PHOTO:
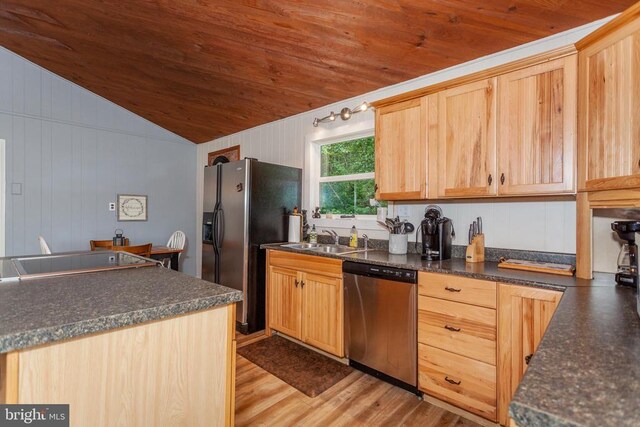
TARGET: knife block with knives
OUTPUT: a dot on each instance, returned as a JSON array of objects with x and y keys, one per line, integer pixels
[{"x": 475, "y": 249}]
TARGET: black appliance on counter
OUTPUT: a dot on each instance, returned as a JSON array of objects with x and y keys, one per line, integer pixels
[
  {"x": 627, "y": 273},
  {"x": 436, "y": 232},
  {"x": 246, "y": 204}
]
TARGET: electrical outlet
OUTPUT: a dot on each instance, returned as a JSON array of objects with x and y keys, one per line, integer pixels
[
  {"x": 112, "y": 206},
  {"x": 402, "y": 210}
]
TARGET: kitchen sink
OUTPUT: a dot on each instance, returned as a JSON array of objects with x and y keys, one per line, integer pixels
[
  {"x": 302, "y": 245},
  {"x": 336, "y": 249},
  {"x": 325, "y": 248}
]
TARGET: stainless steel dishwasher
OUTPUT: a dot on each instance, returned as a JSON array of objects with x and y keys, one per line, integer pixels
[{"x": 380, "y": 322}]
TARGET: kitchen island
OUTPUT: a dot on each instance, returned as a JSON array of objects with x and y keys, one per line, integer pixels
[{"x": 140, "y": 346}]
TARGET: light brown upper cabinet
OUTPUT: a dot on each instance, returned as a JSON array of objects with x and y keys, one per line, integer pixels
[
  {"x": 609, "y": 105},
  {"x": 401, "y": 151},
  {"x": 462, "y": 130},
  {"x": 536, "y": 129}
]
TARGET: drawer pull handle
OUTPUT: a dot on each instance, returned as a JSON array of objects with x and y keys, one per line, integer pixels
[
  {"x": 452, "y": 289},
  {"x": 452, "y": 328},
  {"x": 450, "y": 381},
  {"x": 527, "y": 359}
]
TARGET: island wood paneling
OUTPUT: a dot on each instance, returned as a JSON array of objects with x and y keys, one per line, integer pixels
[
  {"x": 73, "y": 152},
  {"x": 207, "y": 69},
  {"x": 172, "y": 372}
]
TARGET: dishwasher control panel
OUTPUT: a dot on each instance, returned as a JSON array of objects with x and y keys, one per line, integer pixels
[{"x": 381, "y": 272}]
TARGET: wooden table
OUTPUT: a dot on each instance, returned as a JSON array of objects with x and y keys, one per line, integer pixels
[{"x": 162, "y": 252}]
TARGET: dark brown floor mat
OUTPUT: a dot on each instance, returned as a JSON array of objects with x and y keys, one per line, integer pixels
[{"x": 304, "y": 369}]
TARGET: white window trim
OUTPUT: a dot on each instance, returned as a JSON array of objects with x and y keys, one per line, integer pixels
[{"x": 312, "y": 178}]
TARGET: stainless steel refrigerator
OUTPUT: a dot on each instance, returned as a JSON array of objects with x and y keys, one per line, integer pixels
[{"x": 246, "y": 203}]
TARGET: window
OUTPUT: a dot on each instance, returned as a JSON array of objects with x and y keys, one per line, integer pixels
[{"x": 346, "y": 179}]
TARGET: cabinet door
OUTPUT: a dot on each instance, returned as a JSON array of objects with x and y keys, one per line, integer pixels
[
  {"x": 609, "y": 109},
  {"x": 285, "y": 303},
  {"x": 401, "y": 151},
  {"x": 462, "y": 122},
  {"x": 323, "y": 313},
  {"x": 523, "y": 316},
  {"x": 536, "y": 128}
]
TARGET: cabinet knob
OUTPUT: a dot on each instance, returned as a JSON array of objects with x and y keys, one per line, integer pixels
[
  {"x": 490, "y": 179},
  {"x": 447, "y": 288},
  {"x": 452, "y": 328},
  {"x": 527, "y": 359},
  {"x": 302, "y": 283},
  {"x": 297, "y": 282},
  {"x": 502, "y": 179},
  {"x": 450, "y": 381},
  {"x": 375, "y": 187}
]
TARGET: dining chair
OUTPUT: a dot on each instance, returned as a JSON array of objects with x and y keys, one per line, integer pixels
[
  {"x": 44, "y": 248},
  {"x": 176, "y": 241},
  {"x": 143, "y": 250},
  {"x": 104, "y": 244}
]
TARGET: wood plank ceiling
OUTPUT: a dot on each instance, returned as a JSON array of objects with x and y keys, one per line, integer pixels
[{"x": 208, "y": 68}]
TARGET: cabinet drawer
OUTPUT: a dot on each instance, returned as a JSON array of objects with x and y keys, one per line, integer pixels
[
  {"x": 306, "y": 263},
  {"x": 456, "y": 288},
  {"x": 463, "y": 382},
  {"x": 464, "y": 329}
]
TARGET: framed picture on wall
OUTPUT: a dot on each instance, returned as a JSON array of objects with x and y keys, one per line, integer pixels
[
  {"x": 225, "y": 155},
  {"x": 132, "y": 207}
]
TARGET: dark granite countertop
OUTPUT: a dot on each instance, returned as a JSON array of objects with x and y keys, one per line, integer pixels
[
  {"x": 483, "y": 270},
  {"x": 586, "y": 370},
  {"x": 39, "y": 311}
]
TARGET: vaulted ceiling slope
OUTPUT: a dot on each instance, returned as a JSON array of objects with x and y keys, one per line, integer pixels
[{"x": 208, "y": 68}]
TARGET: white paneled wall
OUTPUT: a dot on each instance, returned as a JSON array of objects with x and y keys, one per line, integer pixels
[
  {"x": 548, "y": 226},
  {"x": 72, "y": 152}
]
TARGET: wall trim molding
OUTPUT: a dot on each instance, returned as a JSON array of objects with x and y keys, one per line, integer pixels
[{"x": 85, "y": 126}]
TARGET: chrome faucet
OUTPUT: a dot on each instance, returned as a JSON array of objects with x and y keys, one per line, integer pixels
[
  {"x": 336, "y": 238},
  {"x": 366, "y": 241}
]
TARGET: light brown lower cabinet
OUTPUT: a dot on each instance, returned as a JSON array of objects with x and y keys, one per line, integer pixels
[
  {"x": 457, "y": 341},
  {"x": 461, "y": 381},
  {"x": 523, "y": 316},
  {"x": 304, "y": 299},
  {"x": 474, "y": 355}
]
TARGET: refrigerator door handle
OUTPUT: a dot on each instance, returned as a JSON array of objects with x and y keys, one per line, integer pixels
[
  {"x": 220, "y": 226},
  {"x": 214, "y": 230}
]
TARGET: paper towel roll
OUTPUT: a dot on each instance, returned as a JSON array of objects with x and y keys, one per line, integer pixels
[{"x": 294, "y": 228}]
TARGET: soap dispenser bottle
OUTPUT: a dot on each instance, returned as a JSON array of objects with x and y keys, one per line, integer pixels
[
  {"x": 313, "y": 235},
  {"x": 353, "y": 238}
]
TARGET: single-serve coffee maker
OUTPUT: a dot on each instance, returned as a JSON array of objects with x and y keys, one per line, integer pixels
[
  {"x": 627, "y": 273},
  {"x": 437, "y": 231}
]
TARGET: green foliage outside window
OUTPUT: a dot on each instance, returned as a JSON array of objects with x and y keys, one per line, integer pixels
[{"x": 348, "y": 158}]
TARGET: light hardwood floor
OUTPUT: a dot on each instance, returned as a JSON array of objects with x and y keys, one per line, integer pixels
[{"x": 264, "y": 400}]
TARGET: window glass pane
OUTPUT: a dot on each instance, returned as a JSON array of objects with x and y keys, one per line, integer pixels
[
  {"x": 348, "y": 197},
  {"x": 348, "y": 157}
]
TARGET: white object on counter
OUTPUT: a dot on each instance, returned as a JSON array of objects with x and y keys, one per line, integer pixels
[
  {"x": 295, "y": 226},
  {"x": 398, "y": 243}
]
